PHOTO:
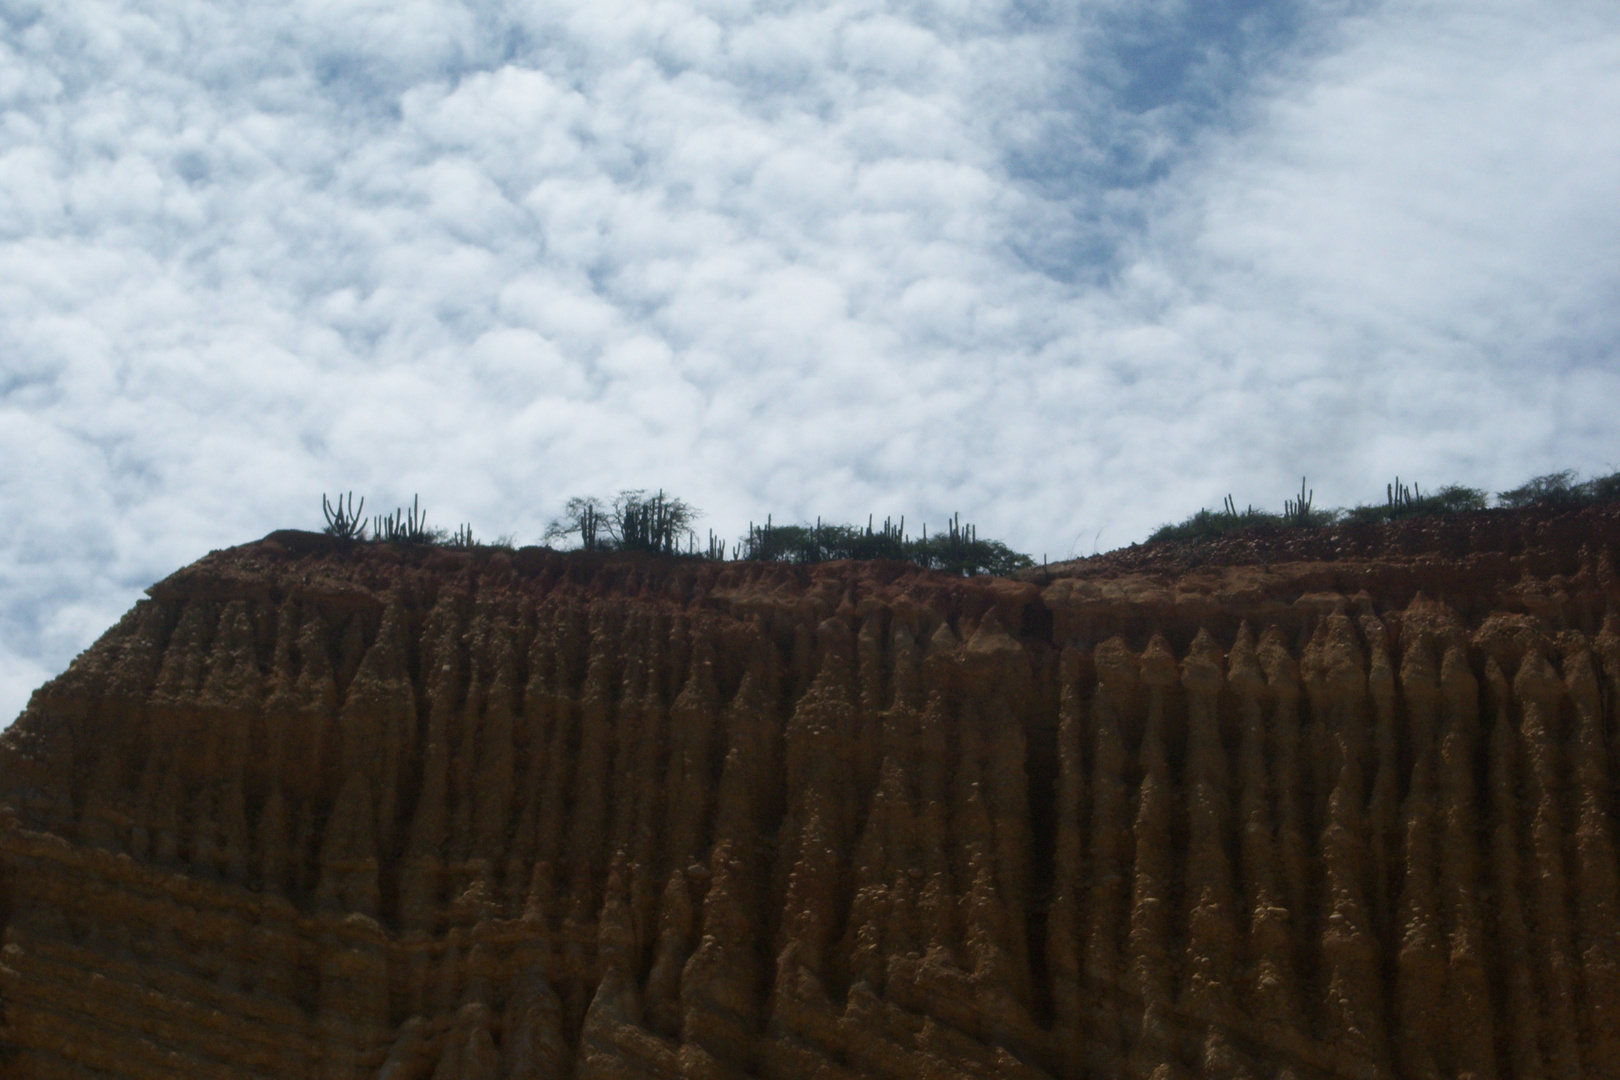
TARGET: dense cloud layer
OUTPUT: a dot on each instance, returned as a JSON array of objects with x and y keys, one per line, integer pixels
[{"x": 1071, "y": 274}]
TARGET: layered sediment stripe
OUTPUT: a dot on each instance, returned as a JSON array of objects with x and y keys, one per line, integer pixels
[{"x": 404, "y": 822}]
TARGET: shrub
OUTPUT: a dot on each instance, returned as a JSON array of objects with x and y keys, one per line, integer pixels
[
  {"x": 1401, "y": 500},
  {"x": 956, "y": 551},
  {"x": 657, "y": 524},
  {"x": 635, "y": 521},
  {"x": 823, "y": 542},
  {"x": 1407, "y": 500},
  {"x": 1546, "y": 490},
  {"x": 583, "y": 517},
  {"x": 1561, "y": 489},
  {"x": 1604, "y": 488},
  {"x": 1210, "y": 523},
  {"x": 959, "y": 550}
]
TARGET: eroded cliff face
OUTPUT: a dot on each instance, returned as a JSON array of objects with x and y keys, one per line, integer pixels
[{"x": 315, "y": 811}]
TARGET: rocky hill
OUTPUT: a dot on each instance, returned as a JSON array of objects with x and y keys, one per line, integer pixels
[{"x": 327, "y": 811}]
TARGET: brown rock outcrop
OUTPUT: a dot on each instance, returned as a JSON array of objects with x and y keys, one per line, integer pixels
[{"x": 328, "y": 812}]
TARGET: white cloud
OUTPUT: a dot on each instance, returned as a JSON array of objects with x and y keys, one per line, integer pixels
[{"x": 1063, "y": 273}]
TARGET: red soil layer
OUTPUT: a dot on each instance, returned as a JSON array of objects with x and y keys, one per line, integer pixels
[{"x": 1319, "y": 804}]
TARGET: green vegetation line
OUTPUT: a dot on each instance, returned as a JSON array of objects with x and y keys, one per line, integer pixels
[
  {"x": 661, "y": 524},
  {"x": 1401, "y": 500}
]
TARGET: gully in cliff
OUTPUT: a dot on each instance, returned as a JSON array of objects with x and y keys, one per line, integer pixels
[{"x": 324, "y": 809}]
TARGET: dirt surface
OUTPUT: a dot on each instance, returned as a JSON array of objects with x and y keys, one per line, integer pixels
[{"x": 1328, "y": 804}]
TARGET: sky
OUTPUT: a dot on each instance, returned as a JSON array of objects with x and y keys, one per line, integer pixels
[{"x": 1071, "y": 269}]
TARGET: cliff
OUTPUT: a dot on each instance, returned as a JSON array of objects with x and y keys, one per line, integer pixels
[{"x": 331, "y": 811}]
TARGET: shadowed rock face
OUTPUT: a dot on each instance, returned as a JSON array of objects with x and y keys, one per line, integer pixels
[{"x": 315, "y": 811}]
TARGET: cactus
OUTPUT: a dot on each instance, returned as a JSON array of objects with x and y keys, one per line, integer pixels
[
  {"x": 582, "y": 517},
  {"x": 406, "y": 526},
  {"x": 344, "y": 522},
  {"x": 1398, "y": 496},
  {"x": 659, "y": 524},
  {"x": 656, "y": 523},
  {"x": 1298, "y": 511}
]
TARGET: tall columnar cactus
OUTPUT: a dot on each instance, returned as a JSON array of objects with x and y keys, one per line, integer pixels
[
  {"x": 344, "y": 522},
  {"x": 1398, "y": 495},
  {"x": 1298, "y": 511},
  {"x": 406, "y": 526}
]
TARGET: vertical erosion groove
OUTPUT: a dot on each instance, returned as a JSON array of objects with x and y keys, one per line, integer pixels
[{"x": 798, "y": 824}]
